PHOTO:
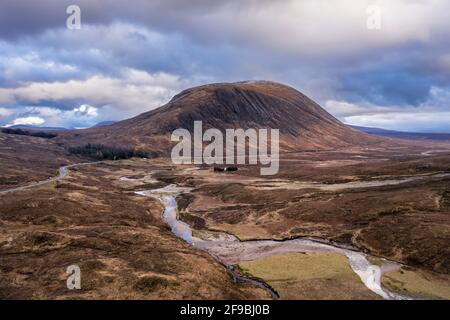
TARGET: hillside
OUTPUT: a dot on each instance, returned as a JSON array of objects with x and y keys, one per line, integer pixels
[{"x": 303, "y": 124}]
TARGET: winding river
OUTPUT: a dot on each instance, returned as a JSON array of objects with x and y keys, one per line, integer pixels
[{"x": 229, "y": 251}]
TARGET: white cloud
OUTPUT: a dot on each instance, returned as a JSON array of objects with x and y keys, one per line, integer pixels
[
  {"x": 5, "y": 112},
  {"x": 431, "y": 116},
  {"x": 317, "y": 27},
  {"x": 343, "y": 108},
  {"x": 87, "y": 110},
  {"x": 44, "y": 112},
  {"x": 22, "y": 67},
  {"x": 403, "y": 121},
  {"x": 82, "y": 116},
  {"x": 26, "y": 121},
  {"x": 132, "y": 93}
]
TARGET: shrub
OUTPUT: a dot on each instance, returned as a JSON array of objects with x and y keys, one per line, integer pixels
[{"x": 101, "y": 152}]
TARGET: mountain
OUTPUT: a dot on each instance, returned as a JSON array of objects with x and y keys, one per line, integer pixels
[
  {"x": 303, "y": 124},
  {"x": 403, "y": 135},
  {"x": 103, "y": 123},
  {"x": 31, "y": 127}
]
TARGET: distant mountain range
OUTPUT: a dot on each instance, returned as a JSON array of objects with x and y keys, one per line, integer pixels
[
  {"x": 403, "y": 135},
  {"x": 31, "y": 127}
]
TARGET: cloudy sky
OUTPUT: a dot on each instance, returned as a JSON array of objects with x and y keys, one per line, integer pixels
[{"x": 133, "y": 56}]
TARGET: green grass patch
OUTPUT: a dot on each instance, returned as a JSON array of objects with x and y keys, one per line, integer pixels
[
  {"x": 309, "y": 276},
  {"x": 418, "y": 283}
]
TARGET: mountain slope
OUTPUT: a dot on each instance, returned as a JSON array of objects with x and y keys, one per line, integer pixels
[{"x": 303, "y": 124}]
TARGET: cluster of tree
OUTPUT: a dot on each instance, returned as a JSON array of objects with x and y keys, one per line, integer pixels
[
  {"x": 39, "y": 134},
  {"x": 101, "y": 152}
]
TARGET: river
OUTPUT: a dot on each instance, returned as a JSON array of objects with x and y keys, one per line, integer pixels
[{"x": 229, "y": 251}]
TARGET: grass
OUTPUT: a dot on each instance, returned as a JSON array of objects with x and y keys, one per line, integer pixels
[
  {"x": 309, "y": 276},
  {"x": 149, "y": 284},
  {"x": 418, "y": 283}
]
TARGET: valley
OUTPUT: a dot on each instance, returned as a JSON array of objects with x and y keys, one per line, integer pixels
[
  {"x": 103, "y": 217},
  {"x": 347, "y": 216}
]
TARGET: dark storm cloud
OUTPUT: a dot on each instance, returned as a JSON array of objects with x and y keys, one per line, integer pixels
[
  {"x": 24, "y": 17},
  {"x": 131, "y": 56},
  {"x": 389, "y": 88},
  {"x": 403, "y": 76}
]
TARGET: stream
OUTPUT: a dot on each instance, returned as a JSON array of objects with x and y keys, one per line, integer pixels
[{"x": 229, "y": 251}]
